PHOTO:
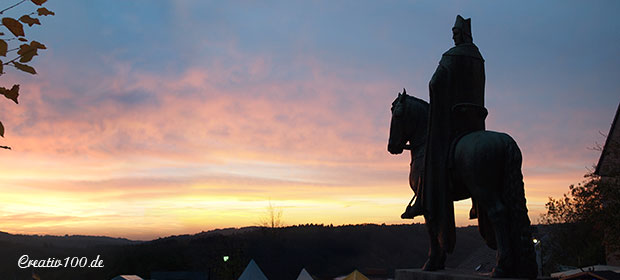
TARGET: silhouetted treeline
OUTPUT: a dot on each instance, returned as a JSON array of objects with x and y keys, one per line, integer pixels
[{"x": 325, "y": 251}]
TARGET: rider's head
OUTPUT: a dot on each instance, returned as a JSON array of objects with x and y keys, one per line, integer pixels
[{"x": 461, "y": 32}]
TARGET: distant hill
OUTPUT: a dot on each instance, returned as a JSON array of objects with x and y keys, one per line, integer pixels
[
  {"x": 325, "y": 251},
  {"x": 77, "y": 241}
]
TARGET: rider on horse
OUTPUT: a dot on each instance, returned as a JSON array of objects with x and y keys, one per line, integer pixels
[{"x": 456, "y": 108}]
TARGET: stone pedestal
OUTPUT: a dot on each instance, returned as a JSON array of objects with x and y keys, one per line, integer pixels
[{"x": 447, "y": 274}]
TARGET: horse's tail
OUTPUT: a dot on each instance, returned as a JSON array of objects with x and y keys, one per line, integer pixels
[{"x": 514, "y": 195}]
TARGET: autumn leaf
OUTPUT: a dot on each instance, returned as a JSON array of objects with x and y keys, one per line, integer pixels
[
  {"x": 30, "y": 21},
  {"x": 22, "y": 39},
  {"x": 27, "y": 52},
  {"x": 3, "y": 48},
  {"x": 24, "y": 67},
  {"x": 12, "y": 94},
  {"x": 39, "y": 2},
  {"x": 37, "y": 45},
  {"x": 14, "y": 26},
  {"x": 24, "y": 48},
  {"x": 1, "y": 67},
  {"x": 45, "y": 12},
  {"x": 1, "y": 129}
]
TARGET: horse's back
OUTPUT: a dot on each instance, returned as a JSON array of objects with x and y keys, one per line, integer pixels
[
  {"x": 480, "y": 157},
  {"x": 485, "y": 142}
]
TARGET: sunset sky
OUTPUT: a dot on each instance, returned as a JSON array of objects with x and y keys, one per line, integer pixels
[{"x": 153, "y": 118}]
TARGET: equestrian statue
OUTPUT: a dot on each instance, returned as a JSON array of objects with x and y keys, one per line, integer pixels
[{"x": 453, "y": 158}]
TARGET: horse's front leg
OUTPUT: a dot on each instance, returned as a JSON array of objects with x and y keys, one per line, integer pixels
[
  {"x": 436, "y": 254},
  {"x": 416, "y": 171}
]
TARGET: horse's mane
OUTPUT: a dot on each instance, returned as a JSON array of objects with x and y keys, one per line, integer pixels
[
  {"x": 418, "y": 100},
  {"x": 419, "y": 106},
  {"x": 419, "y": 110}
]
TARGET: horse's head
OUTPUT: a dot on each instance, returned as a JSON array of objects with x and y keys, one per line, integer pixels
[{"x": 400, "y": 132}]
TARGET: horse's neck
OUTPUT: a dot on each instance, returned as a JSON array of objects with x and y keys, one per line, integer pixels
[
  {"x": 419, "y": 121},
  {"x": 418, "y": 144}
]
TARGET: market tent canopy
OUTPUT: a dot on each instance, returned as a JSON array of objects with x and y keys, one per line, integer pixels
[
  {"x": 304, "y": 275},
  {"x": 356, "y": 275},
  {"x": 252, "y": 272}
]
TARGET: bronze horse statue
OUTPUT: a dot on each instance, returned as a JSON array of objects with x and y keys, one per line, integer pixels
[{"x": 484, "y": 165}]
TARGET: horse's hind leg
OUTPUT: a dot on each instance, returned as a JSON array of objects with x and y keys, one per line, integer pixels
[
  {"x": 436, "y": 254},
  {"x": 485, "y": 189},
  {"x": 473, "y": 212},
  {"x": 489, "y": 164},
  {"x": 498, "y": 215}
]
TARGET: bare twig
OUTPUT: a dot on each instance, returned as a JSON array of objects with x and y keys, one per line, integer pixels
[
  {"x": 1, "y": 12},
  {"x": 8, "y": 62}
]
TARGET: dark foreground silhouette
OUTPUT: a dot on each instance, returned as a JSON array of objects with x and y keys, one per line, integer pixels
[{"x": 325, "y": 252}]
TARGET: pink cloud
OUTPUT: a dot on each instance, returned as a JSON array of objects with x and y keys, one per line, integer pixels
[
  {"x": 191, "y": 110},
  {"x": 243, "y": 130}
]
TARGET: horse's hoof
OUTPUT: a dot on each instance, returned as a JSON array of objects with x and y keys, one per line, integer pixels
[
  {"x": 428, "y": 266},
  {"x": 431, "y": 265},
  {"x": 498, "y": 272},
  {"x": 432, "y": 268}
]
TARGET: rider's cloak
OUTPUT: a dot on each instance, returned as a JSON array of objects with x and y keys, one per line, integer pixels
[{"x": 459, "y": 78}]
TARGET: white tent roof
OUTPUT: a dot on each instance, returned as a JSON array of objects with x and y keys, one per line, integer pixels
[
  {"x": 304, "y": 275},
  {"x": 252, "y": 272},
  {"x": 127, "y": 277}
]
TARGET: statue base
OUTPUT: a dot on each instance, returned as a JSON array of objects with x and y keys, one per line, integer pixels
[{"x": 447, "y": 274}]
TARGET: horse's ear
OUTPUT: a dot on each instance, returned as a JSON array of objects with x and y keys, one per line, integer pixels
[
  {"x": 399, "y": 94},
  {"x": 404, "y": 91}
]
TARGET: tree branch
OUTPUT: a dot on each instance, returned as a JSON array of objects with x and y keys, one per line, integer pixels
[
  {"x": 1, "y": 12},
  {"x": 8, "y": 62}
]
